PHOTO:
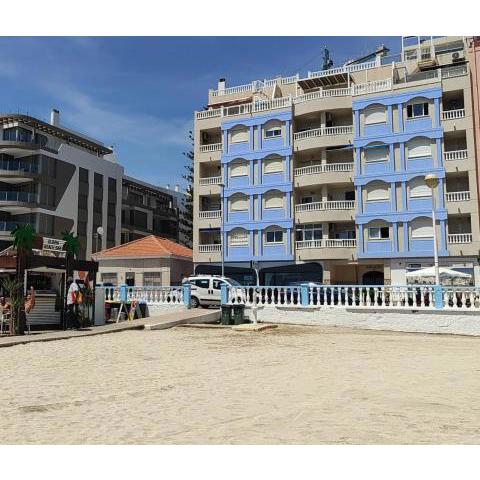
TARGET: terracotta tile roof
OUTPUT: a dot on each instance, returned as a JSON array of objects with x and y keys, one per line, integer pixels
[{"x": 151, "y": 246}]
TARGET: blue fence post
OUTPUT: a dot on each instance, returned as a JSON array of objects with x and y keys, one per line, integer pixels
[
  {"x": 304, "y": 295},
  {"x": 186, "y": 295},
  {"x": 223, "y": 293},
  {"x": 438, "y": 292},
  {"x": 123, "y": 293}
]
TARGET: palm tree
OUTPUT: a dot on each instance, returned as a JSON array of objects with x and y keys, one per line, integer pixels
[
  {"x": 15, "y": 293},
  {"x": 72, "y": 244},
  {"x": 23, "y": 237}
]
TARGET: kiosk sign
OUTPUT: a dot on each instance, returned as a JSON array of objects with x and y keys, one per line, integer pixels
[{"x": 53, "y": 245}]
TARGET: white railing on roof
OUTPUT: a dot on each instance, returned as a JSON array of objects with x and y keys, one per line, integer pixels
[
  {"x": 457, "y": 196},
  {"x": 345, "y": 69},
  {"x": 453, "y": 114},
  {"x": 211, "y": 181},
  {"x": 249, "y": 87},
  {"x": 456, "y": 155},
  {"x": 289, "y": 80},
  {"x": 328, "y": 205},
  {"x": 324, "y": 168},
  {"x": 211, "y": 248},
  {"x": 327, "y": 243},
  {"x": 323, "y": 131},
  {"x": 211, "y": 147},
  {"x": 455, "y": 238},
  {"x": 274, "y": 103},
  {"x": 372, "y": 87},
  {"x": 210, "y": 214},
  {"x": 210, "y": 113},
  {"x": 456, "y": 71}
]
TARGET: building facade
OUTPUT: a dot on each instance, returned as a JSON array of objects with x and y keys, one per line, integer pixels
[
  {"x": 322, "y": 176},
  {"x": 57, "y": 180},
  {"x": 148, "y": 210}
]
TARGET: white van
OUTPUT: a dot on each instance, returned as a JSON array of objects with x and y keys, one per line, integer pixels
[{"x": 205, "y": 289}]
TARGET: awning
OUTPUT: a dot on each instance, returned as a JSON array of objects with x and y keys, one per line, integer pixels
[{"x": 324, "y": 79}]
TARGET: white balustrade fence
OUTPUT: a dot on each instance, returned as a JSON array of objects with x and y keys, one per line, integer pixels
[
  {"x": 327, "y": 243},
  {"x": 212, "y": 147},
  {"x": 324, "y": 168},
  {"x": 210, "y": 214},
  {"x": 149, "y": 295},
  {"x": 328, "y": 205},
  {"x": 457, "y": 196},
  {"x": 453, "y": 114},
  {"x": 455, "y": 238},
  {"x": 456, "y": 155},
  {"x": 210, "y": 113},
  {"x": 384, "y": 297},
  {"x": 324, "y": 131},
  {"x": 211, "y": 181},
  {"x": 210, "y": 248}
]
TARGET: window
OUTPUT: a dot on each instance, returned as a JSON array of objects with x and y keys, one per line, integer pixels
[
  {"x": 50, "y": 194},
  {"x": 238, "y": 238},
  {"x": 306, "y": 200},
  {"x": 377, "y": 192},
  {"x": 379, "y": 233},
  {"x": 83, "y": 175},
  {"x": 41, "y": 140},
  {"x": 274, "y": 236},
  {"x": 419, "y": 147},
  {"x": 273, "y": 165},
  {"x": 202, "y": 283},
  {"x": 239, "y": 135},
  {"x": 416, "y": 110},
  {"x": 375, "y": 114},
  {"x": 419, "y": 189},
  {"x": 82, "y": 229},
  {"x": 273, "y": 132},
  {"x": 152, "y": 279},
  {"x": 217, "y": 284},
  {"x": 309, "y": 232},
  {"x": 422, "y": 228},
  {"x": 109, "y": 278},
  {"x": 98, "y": 180},
  {"x": 376, "y": 154},
  {"x": 238, "y": 169},
  {"x": 82, "y": 201},
  {"x": 239, "y": 203},
  {"x": 274, "y": 200},
  {"x": 350, "y": 195},
  {"x": 97, "y": 205}
]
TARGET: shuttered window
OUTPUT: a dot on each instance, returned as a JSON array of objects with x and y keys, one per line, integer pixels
[
  {"x": 422, "y": 228},
  {"x": 274, "y": 200},
  {"x": 238, "y": 238},
  {"x": 152, "y": 279},
  {"x": 239, "y": 203},
  {"x": 375, "y": 114},
  {"x": 377, "y": 192},
  {"x": 418, "y": 188},
  {"x": 238, "y": 135},
  {"x": 419, "y": 147},
  {"x": 376, "y": 154},
  {"x": 238, "y": 169},
  {"x": 273, "y": 165}
]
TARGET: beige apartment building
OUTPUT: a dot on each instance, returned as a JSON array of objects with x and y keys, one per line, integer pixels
[{"x": 321, "y": 176}]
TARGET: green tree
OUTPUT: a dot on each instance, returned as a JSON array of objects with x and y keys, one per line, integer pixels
[
  {"x": 72, "y": 244},
  {"x": 186, "y": 216},
  {"x": 23, "y": 237}
]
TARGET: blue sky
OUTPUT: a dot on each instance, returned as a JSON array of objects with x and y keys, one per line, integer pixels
[{"x": 139, "y": 93}]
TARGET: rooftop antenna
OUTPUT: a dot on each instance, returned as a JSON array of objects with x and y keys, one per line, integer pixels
[{"x": 327, "y": 61}]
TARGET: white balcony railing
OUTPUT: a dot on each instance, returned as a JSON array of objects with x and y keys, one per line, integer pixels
[
  {"x": 327, "y": 243},
  {"x": 328, "y": 205},
  {"x": 457, "y": 196},
  {"x": 457, "y": 71},
  {"x": 324, "y": 168},
  {"x": 456, "y": 155},
  {"x": 345, "y": 69},
  {"x": 210, "y": 113},
  {"x": 211, "y": 147},
  {"x": 323, "y": 131},
  {"x": 372, "y": 87},
  {"x": 455, "y": 238},
  {"x": 211, "y": 181},
  {"x": 210, "y": 214},
  {"x": 212, "y": 248},
  {"x": 249, "y": 87},
  {"x": 453, "y": 114}
]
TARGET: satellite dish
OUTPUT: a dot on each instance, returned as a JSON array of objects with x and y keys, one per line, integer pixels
[{"x": 100, "y": 230}]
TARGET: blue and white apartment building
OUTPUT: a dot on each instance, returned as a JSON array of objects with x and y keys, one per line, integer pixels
[{"x": 322, "y": 177}]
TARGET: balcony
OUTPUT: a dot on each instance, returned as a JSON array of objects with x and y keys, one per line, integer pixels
[
  {"x": 453, "y": 114},
  {"x": 324, "y": 168},
  {"x": 457, "y": 196},
  {"x": 211, "y": 248},
  {"x": 327, "y": 243},
  {"x": 324, "y": 131},
  {"x": 328, "y": 205},
  {"x": 209, "y": 214},
  {"x": 459, "y": 238},
  {"x": 7, "y": 227},
  {"x": 18, "y": 197},
  {"x": 455, "y": 155},
  {"x": 212, "y": 147},
  {"x": 210, "y": 181}
]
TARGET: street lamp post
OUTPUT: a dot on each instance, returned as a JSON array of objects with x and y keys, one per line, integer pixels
[
  {"x": 222, "y": 186},
  {"x": 432, "y": 182}
]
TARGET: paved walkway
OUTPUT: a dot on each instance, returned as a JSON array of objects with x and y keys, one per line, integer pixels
[{"x": 158, "y": 322}]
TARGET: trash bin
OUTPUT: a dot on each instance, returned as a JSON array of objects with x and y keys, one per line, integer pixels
[
  {"x": 226, "y": 316},
  {"x": 238, "y": 314}
]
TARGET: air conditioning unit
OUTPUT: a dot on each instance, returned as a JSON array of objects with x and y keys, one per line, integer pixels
[{"x": 458, "y": 57}]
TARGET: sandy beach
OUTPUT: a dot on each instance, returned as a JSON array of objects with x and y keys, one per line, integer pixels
[{"x": 291, "y": 385}]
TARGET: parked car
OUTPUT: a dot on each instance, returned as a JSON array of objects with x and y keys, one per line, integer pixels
[{"x": 205, "y": 289}]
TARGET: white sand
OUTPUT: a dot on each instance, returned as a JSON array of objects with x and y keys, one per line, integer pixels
[{"x": 287, "y": 385}]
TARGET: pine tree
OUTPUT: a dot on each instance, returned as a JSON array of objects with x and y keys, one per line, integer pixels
[{"x": 186, "y": 216}]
